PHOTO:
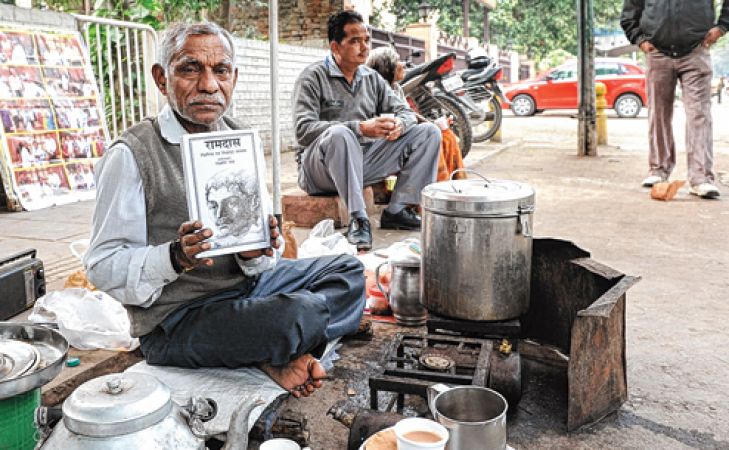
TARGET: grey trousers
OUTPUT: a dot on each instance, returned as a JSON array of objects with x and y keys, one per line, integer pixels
[
  {"x": 290, "y": 310},
  {"x": 694, "y": 71},
  {"x": 336, "y": 163}
]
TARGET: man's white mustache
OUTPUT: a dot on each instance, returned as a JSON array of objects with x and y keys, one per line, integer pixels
[{"x": 215, "y": 98}]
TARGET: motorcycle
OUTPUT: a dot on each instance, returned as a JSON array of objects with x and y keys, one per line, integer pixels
[
  {"x": 478, "y": 89},
  {"x": 426, "y": 95}
]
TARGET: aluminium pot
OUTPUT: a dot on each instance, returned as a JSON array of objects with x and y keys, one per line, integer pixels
[
  {"x": 477, "y": 248},
  {"x": 121, "y": 412}
]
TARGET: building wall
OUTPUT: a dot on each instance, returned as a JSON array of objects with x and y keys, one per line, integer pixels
[
  {"x": 35, "y": 18},
  {"x": 252, "y": 96},
  {"x": 301, "y": 22}
]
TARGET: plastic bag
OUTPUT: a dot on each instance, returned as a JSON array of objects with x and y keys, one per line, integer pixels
[
  {"x": 88, "y": 320},
  {"x": 323, "y": 240}
]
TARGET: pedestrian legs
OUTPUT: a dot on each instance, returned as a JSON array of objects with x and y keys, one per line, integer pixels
[
  {"x": 695, "y": 72},
  {"x": 661, "y": 85}
]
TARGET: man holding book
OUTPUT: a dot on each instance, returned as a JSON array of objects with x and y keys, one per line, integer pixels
[
  {"x": 353, "y": 130},
  {"x": 231, "y": 310}
]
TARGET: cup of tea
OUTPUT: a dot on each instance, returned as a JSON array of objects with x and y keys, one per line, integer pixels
[
  {"x": 420, "y": 434},
  {"x": 279, "y": 444}
]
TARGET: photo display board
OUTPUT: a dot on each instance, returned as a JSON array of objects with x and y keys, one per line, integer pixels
[{"x": 52, "y": 128}]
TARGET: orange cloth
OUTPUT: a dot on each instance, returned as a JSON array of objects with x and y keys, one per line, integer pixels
[{"x": 450, "y": 157}]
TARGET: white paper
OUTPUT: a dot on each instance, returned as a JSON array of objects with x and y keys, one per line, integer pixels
[{"x": 225, "y": 180}]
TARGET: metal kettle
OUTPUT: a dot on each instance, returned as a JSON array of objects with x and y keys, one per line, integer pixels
[
  {"x": 122, "y": 411},
  {"x": 404, "y": 292}
]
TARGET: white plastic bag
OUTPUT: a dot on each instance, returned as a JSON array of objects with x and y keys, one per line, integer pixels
[
  {"x": 323, "y": 240},
  {"x": 88, "y": 320}
]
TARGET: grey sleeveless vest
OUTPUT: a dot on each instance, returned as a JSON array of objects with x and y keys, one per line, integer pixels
[{"x": 160, "y": 167}]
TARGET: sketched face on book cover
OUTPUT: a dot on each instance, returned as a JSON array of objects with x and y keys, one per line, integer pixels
[{"x": 233, "y": 203}]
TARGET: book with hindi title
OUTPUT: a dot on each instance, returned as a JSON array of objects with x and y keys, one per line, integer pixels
[{"x": 225, "y": 181}]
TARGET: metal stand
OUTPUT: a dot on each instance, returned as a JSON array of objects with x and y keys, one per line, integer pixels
[{"x": 586, "y": 132}]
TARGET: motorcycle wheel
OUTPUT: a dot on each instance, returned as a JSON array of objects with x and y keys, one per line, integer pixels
[
  {"x": 485, "y": 126},
  {"x": 443, "y": 104}
]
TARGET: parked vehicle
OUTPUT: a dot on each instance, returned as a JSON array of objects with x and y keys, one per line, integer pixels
[
  {"x": 557, "y": 88},
  {"x": 424, "y": 90},
  {"x": 478, "y": 89}
]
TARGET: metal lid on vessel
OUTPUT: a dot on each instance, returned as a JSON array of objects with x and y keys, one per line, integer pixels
[
  {"x": 116, "y": 404},
  {"x": 17, "y": 358},
  {"x": 477, "y": 197}
]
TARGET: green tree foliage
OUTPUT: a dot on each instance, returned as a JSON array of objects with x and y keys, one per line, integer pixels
[
  {"x": 537, "y": 25},
  {"x": 155, "y": 13}
]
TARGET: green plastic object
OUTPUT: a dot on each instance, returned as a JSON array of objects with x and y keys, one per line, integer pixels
[
  {"x": 17, "y": 430},
  {"x": 73, "y": 361}
]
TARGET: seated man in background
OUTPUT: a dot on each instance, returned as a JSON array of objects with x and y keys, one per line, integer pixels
[
  {"x": 345, "y": 141},
  {"x": 386, "y": 62},
  {"x": 231, "y": 310}
]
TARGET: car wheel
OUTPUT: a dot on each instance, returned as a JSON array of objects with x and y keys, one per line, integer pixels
[
  {"x": 523, "y": 105},
  {"x": 628, "y": 105}
]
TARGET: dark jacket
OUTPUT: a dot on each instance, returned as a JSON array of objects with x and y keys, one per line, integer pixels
[{"x": 674, "y": 27}]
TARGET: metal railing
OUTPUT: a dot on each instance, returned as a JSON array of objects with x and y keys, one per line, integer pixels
[
  {"x": 122, "y": 54},
  {"x": 404, "y": 44}
]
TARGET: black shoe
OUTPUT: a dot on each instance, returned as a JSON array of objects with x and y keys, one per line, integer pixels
[
  {"x": 360, "y": 234},
  {"x": 404, "y": 220}
]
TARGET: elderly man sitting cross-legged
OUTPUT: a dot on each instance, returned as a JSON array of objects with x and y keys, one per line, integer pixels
[{"x": 233, "y": 310}]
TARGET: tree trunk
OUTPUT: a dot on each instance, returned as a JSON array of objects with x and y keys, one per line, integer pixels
[
  {"x": 225, "y": 14},
  {"x": 486, "y": 25},
  {"x": 466, "y": 10}
]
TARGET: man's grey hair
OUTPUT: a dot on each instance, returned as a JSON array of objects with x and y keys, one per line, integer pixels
[
  {"x": 384, "y": 61},
  {"x": 175, "y": 36}
]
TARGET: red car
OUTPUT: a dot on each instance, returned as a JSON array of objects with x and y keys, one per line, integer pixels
[{"x": 557, "y": 88}]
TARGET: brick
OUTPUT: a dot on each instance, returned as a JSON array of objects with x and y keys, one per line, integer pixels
[{"x": 308, "y": 210}]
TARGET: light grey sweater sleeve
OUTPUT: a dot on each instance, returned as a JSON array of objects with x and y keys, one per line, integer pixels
[{"x": 307, "y": 104}]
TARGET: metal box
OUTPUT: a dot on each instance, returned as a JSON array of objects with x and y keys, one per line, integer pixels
[{"x": 22, "y": 282}]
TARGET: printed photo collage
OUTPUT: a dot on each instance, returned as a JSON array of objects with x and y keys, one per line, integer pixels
[{"x": 51, "y": 124}]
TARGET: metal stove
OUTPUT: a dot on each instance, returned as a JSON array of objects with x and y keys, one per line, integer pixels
[{"x": 454, "y": 352}]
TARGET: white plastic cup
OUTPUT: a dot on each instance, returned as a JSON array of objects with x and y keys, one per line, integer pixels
[
  {"x": 442, "y": 122},
  {"x": 279, "y": 444},
  {"x": 417, "y": 424},
  {"x": 387, "y": 115}
]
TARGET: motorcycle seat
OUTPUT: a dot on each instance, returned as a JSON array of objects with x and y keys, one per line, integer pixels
[
  {"x": 469, "y": 74},
  {"x": 415, "y": 71},
  {"x": 425, "y": 67}
]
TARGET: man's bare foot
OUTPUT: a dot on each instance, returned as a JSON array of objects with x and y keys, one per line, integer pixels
[{"x": 300, "y": 377}]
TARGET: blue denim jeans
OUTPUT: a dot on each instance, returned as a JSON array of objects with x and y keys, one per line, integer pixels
[{"x": 288, "y": 311}]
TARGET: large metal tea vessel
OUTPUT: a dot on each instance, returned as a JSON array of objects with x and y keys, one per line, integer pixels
[
  {"x": 477, "y": 248},
  {"x": 122, "y": 411}
]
